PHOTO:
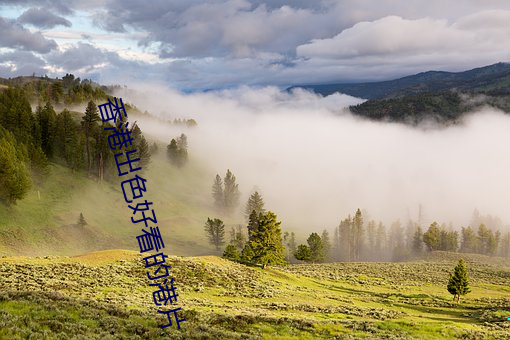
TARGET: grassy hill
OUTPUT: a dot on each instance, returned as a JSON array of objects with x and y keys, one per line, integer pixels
[
  {"x": 105, "y": 295},
  {"x": 45, "y": 222}
]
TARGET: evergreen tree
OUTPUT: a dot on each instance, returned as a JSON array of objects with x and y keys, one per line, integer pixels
[
  {"x": 237, "y": 237},
  {"x": 46, "y": 117},
  {"x": 215, "y": 230},
  {"x": 432, "y": 237},
  {"x": 345, "y": 231},
  {"x": 141, "y": 146},
  {"x": 487, "y": 240},
  {"x": 66, "y": 138},
  {"x": 177, "y": 151},
  {"x": 81, "y": 220},
  {"x": 371, "y": 238},
  {"x": 247, "y": 254},
  {"x": 326, "y": 243},
  {"x": 217, "y": 193},
  {"x": 452, "y": 241},
  {"x": 418, "y": 241},
  {"x": 14, "y": 175},
  {"x": 266, "y": 241},
  {"x": 231, "y": 253},
  {"x": 289, "y": 239},
  {"x": 336, "y": 245},
  {"x": 253, "y": 225},
  {"x": 16, "y": 115},
  {"x": 357, "y": 233},
  {"x": 505, "y": 245},
  {"x": 469, "y": 241},
  {"x": 231, "y": 192},
  {"x": 255, "y": 203},
  {"x": 89, "y": 123},
  {"x": 316, "y": 247},
  {"x": 381, "y": 239},
  {"x": 458, "y": 284},
  {"x": 154, "y": 149},
  {"x": 303, "y": 253}
]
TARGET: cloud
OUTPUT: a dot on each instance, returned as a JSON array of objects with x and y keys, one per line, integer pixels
[
  {"x": 80, "y": 56},
  {"x": 21, "y": 62},
  {"x": 15, "y": 36},
  {"x": 42, "y": 18},
  {"x": 477, "y": 39},
  {"x": 394, "y": 35},
  {"x": 218, "y": 44},
  {"x": 314, "y": 163},
  {"x": 60, "y": 6}
]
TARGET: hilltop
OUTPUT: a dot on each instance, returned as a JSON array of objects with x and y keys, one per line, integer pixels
[
  {"x": 443, "y": 97},
  {"x": 488, "y": 79}
]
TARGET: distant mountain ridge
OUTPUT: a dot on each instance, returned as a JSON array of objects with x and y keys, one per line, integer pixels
[{"x": 492, "y": 79}]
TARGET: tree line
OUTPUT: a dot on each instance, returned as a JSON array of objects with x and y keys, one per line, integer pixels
[
  {"x": 357, "y": 240},
  {"x": 30, "y": 140}
]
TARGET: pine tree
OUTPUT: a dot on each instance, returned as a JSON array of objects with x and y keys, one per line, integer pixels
[
  {"x": 418, "y": 241},
  {"x": 505, "y": 245},
  {"x": 81, "y": 220},
  {"x": 247, "y": 254},
  {"x": 432, "y": 237},
  {"x": 357, "y": 234},
  {"x": 266, "y": 241},
  {"x": 458, "y": 284},
  {"x": 336, "y": 245},
  {"x": 231, "y": 253},
  {"x": 316, "y": 247},
  {"x": 177, "y": 151},
  {"x": 215, "y": 230},
  {"x": 289, "y": 240},
  {"x": 345, "y": 231},
  {"x": 88, "y": 123},
  {"x": 66, "y": 138},
  {"x": 253, "y": 225},
  {"x": 141, "y": 146},
  {"x": 381, "y": 246},
  {"x": 231, "y": 192},
  {"x": 14, "y": 175},
  {"x": 154, "y": 149},
  {"x": 326, "y": 243},
  {"x": 237, "y": 237},
  {"x": 217, "y": 193},
  {"x": 371, "y": 238},
  {"x": 46, "y": 117},
  {"x": 255, "y": 203},
  {"x": 470, "y": 243},
  {"x": 303, "y": 253}
]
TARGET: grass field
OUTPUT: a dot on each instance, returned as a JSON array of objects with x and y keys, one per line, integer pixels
[
  {"x": 105, "y": 295},
  {"x": 45, "y": 221}
]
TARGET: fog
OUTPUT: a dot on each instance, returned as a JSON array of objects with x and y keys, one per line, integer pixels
[{"x": 314, "y": 163}]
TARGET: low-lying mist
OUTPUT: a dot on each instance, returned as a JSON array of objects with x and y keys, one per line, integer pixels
[{"x": 315, "y": 163}]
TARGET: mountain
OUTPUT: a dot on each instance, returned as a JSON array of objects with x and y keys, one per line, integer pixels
[{"x": 488, "y": 79}]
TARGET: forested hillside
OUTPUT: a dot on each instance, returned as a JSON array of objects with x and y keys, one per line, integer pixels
[{"x": 443, "y": 97}]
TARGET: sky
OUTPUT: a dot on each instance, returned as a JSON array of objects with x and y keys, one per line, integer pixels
[{"x": 194, "y": 45}]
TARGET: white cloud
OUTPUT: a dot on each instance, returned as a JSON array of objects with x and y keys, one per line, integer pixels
[
  {"x": 314, "y": 163},
  {"x": 484, "y": 37}
]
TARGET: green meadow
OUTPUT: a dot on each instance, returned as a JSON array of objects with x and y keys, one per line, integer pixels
[{"x": 105, "y": 295}]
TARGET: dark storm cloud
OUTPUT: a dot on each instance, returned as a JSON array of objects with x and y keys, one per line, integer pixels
[
  {"x": 16, "y": 36},
  {"x": 42, "y": 18}
]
